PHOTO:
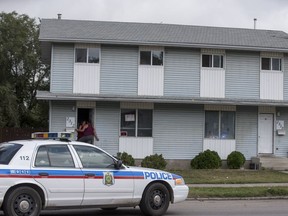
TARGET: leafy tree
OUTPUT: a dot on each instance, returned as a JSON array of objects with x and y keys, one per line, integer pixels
[{"x": 21, "y": 72}]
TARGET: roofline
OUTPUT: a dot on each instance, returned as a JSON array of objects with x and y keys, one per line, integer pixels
[
  {"x": 44, "y": 95},
  {"x": 165, "y": 44}
]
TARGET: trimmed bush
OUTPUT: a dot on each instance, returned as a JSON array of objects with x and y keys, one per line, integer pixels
[
  {"x": 235, "y": 160},
  {"x": 206, "y": 160},
  {"x": 126, "y": 158},
  {"x": 154, "y": 161}
]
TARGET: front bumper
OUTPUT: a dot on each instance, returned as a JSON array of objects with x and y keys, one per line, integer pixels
[{"x": 180, "y": 193}]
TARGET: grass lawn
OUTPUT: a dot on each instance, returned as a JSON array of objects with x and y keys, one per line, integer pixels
[{"x": 229, "y": 176}]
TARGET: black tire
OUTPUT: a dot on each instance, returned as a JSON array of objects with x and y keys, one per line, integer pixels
[
  {"x": 22, "y": 201},
  {"x": 155, "y": 200}
]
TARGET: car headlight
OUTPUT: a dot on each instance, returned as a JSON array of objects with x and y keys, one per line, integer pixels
[{"x": 179, "y": 181}]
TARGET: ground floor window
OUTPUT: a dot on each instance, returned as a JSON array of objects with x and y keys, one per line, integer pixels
[
  {"x": 136, "y": 122},
  {"x": 220, "y": 124}
]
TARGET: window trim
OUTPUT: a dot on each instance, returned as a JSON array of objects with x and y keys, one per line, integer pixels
[
  {"x": 151, "y": 58},
  {"x": 87, "y": 55},
  {"x": 222, "y": 61},
  {"x": 271, "y": 64},
  {"x": 136, "y": 123}
]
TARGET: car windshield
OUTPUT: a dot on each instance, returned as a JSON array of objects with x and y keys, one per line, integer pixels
[{"x": 7, "y": 152}]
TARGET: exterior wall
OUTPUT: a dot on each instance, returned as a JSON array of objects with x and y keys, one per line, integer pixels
[
  {"x": 178, "y": 130},
  {"x": 281, "y": 142},
  {"x": 59, "y": 110},
  {"x": 285, "y": 78},
  {"x": 212, "y": 83},
  {"x": 182, "y": 72},
  {"x": 118, "y": 73},
  {"x": 107, "y": 126},
  {"x": 242, "y": 75},
  {"x": 247, "y": 131},
  {"x": 62, "y": 68}
]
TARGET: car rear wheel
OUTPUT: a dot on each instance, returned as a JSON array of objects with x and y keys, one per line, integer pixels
[
  {"x": 22, "y": 201},
  {"x": 155, "y": 200}
]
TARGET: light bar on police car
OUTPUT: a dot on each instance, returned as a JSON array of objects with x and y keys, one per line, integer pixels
[{"x": 51, "y": 135}]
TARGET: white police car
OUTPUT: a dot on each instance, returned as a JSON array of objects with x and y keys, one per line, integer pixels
[{"x": 49, "y": 174}]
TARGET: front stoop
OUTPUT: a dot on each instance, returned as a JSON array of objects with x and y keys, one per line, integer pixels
[{"x": 270, "y": 162}]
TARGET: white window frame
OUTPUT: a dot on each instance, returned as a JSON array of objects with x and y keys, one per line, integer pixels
[
  {"x": 151, "y": 58},
  {"x": 222, "y": 57},
  {"x": 271, "y": 63},
  {"x": 87, "y": 55}
]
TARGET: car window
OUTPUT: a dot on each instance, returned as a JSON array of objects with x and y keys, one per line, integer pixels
[
  {"x": 93, "y": 158},
  {"x": 7, "y": 152},
  {"x": 54, "y": 156}
]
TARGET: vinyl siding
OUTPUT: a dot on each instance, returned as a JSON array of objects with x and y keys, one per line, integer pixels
[
  {"x": 178, "y": 130},
  {"x": 285, "y": 79},
  {"x": 281, "y": 142},
  {"x": 119, "y": 67},
  {"x": 62, "y": 68},
  {"x": 247, "y": 131},
  {"x": 182, "y": 72},
  {"x": 58, "y": 113},
  {"x": 242, "y": 75},
  {"x": 107, "y": 126}
]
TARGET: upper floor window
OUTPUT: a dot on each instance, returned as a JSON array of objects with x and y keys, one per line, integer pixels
[
  {"x": 151, "y": 57},
  {"x": 271, "y": 64},
  {"x": 136, "y": 122},
  {"x": 87, "y": 55},
  {"x": 212, "y": 61}
]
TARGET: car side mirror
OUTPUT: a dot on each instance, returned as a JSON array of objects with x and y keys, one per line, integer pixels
[{"x": 118, "y": 164}]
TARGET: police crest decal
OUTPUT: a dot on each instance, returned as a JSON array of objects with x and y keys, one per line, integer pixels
[{"x": 108, "y": 178}]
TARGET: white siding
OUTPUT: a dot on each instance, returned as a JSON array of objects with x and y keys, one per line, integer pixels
[
  {"x": 271, "y": 85},
  {"x": 212, "y": 83},
  {"x": 138, "y": 147},
  {"x": 221, "y": 146},
  {"x": 86, "y": 78},
  {"x": 150, "y": 80}
]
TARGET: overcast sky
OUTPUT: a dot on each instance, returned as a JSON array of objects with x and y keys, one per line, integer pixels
[{"x": 270, "y": 14}]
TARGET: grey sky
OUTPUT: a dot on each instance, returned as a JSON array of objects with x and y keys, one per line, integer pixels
[{"x": 270, "y": 14}]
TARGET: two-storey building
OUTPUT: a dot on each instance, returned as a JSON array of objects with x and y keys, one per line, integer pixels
[{"x": 174, "y": 90}]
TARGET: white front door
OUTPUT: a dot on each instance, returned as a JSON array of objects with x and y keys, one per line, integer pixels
[{"x": 265, "y": 132}]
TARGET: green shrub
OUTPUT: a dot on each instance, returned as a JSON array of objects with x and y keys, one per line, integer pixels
[
  {"x": 154, "y": 161},
  {"x": 206, "y": 160},
  {"x": 126, "y": 158},
  {"x": 235, "y": 160}
]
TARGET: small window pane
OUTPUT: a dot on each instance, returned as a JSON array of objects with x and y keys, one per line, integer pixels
[
  {"x": 218, "y": 61},
  {"x": 81, "y": 55},
  {"x": 211, "y": 124},
  {"x": 206, "y": 60},
  {"x": 93, "y": 55},
  {"x": 265, "y": 64},
  {"x": 128, "y": 122},
  {"x": 145, "y": 57},
  {"x": 144, "y": 123},
  {"x": 157, "y": 57},
  {"x": 227, "y": 125},
  {"x": 276, "y": 64},
  {"x": 60, "y": 156}
]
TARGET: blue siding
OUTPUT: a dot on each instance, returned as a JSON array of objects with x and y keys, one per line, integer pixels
[
  {"x": 285, "y": 71},
  {"x": 247, "y": 131},
  {"x": 119, "y": 70},
  {"x": 182, "y": 72},
  {"x": 107, "y": 126},
  {"x": 62, "y": 68},
  {"x": 242, "y": 75},
  {"x": 281, "y": 142},
  {"x": 59, "y": 111},
  {"x": 178, "y": 130}
]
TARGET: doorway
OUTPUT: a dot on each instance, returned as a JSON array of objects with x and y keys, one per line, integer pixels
[{"x": 265, "y": 132}]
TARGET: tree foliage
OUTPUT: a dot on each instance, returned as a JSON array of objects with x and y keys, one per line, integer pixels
[{"x": 21, "y": 72}]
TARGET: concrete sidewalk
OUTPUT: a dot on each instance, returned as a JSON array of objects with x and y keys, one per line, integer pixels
[{"x": 239, "y": 185}]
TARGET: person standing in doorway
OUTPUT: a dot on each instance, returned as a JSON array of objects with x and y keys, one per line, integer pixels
[{"x": 89, "y": 133}]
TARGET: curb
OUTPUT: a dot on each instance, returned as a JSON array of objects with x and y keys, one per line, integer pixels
[{"x": 236, "y": 198}]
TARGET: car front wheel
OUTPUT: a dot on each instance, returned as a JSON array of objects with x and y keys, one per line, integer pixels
[
  {"x": 155, "y": 200},
  {"x": 22, "y": 201}
]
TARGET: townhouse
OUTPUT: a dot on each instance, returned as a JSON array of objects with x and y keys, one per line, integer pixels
[{"x": 175, "y": 90}]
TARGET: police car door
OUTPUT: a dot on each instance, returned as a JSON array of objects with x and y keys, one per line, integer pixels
[
  {"x": 104, "y": 184},
  {"x": 55, "y": 169}
]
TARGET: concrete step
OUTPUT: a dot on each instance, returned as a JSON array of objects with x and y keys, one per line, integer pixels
[{"x": 275, "y": 163}]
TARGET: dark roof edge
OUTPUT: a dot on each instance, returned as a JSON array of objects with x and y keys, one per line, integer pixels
[{"x": 45, "y": 95}]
